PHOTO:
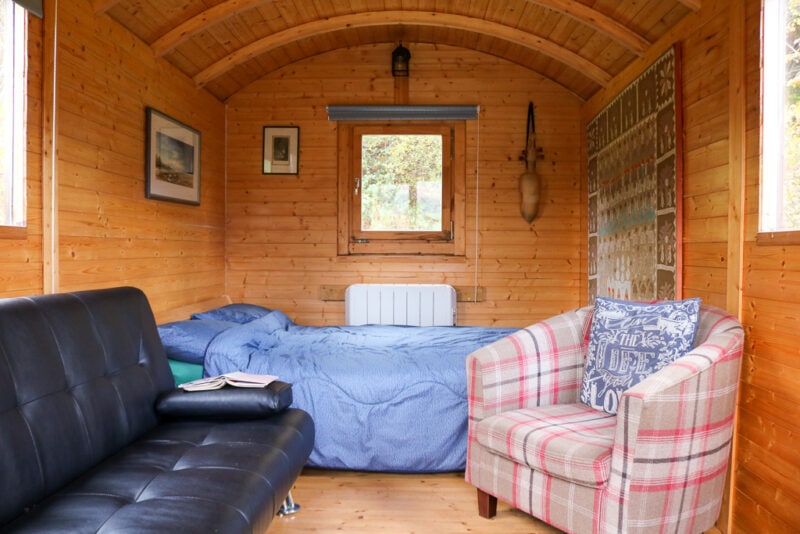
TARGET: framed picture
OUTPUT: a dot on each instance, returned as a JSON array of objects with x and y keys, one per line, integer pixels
[
  {"x": 635, "y": 188},
  {"x": 172, "y": 160},
  {"x": 281, "y": 148}
]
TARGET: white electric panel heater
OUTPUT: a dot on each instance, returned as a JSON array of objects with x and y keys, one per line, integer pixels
[{"x": 400, "y": 304}]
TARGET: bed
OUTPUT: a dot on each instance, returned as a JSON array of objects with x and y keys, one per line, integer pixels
[{"x": 383, "y": 398}]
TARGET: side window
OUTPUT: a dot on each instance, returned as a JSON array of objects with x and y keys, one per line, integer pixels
[
  {"x": 398, "y": 188},
  {"x": 779, "y": 207},
  {"x": 13, "y": 57}
]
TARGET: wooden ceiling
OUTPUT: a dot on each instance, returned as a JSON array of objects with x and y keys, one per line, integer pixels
[{"x": 225, "y": 45}]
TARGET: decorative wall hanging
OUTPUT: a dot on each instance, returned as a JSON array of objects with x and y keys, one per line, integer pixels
[
  {"x": 529, "y": 185},
  {"x": 172, "y": 159},
  {"x": 635, "y": 170},
  {"x": 281, "y": 148}
]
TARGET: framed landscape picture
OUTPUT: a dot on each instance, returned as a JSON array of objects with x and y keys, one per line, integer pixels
[
  {"x": 281, "y": 148},
  {"x": 172, "y": 159}
]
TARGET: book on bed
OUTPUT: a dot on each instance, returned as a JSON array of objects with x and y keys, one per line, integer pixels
[{"x": 236, "y": 379}]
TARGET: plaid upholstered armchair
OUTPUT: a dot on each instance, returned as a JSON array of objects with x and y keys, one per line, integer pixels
[{"x": 657, "y": 465}]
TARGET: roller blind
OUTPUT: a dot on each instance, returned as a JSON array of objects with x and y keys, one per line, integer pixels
[
  {"x": 34, "y": 6},
  {"x": 401, "y": 113}
]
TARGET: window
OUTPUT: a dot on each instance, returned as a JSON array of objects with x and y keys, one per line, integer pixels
[
  {"x": 398, "y": 188},
  {"x": 780, "y": 109},
  {"x": 402, "y": 183},
  {"x": 13, "y": 39}
]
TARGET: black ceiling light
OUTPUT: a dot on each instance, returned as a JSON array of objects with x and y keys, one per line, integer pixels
[{"x": 400, "y": 59}]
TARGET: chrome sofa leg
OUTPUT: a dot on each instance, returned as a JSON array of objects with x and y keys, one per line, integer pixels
[{"x": 288, "y": 507}]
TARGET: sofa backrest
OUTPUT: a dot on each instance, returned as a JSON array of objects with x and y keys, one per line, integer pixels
[{"x": 79, "y": 377}]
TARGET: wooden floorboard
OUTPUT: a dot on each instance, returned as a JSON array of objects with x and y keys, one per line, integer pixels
[{"x": 347, "y": 501}]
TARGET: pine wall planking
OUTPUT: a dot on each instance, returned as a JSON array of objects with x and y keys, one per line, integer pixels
[
  {"x": 281, "y": 230},
  {"x": 108, "y": 232},
  {"x": 766, "y": 465}
]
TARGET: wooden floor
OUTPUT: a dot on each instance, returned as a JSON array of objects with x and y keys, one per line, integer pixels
[{"x": 346, "y": 501}]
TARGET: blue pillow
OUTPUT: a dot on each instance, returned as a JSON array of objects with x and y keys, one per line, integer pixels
[
  {"x": 238, "y": 313},
  {"x": 273, "y": 321},
  {"x": 186, "y": 341},
  {"x": 629, "y": 341}
]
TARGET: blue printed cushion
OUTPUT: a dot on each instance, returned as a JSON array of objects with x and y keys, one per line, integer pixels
[{"x": 629, "y": 341}]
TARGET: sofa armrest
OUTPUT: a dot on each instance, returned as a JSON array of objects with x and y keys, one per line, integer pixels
[
  {"x": 679, "y": 421},
  {"x": 536, "y": 366},
  {"x": 226, "y": 403}
]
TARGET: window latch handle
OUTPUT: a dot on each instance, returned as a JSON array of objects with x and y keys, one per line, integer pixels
[{"x": 358, "y": 184}]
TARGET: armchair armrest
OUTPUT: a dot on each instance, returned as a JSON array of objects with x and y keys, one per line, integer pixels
[
  {"x": 536, "y": 366},
  {"x": 679, "y": 421},
  {"x": 226, "y": 403}
]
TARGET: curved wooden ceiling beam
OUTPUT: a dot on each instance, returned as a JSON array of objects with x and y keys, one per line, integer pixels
[
  {"x": 694, "y": 5},
  {"x": 600, "y": 22},
  {"x": 576, "y": 10},
  {"x": 395, "y": 18},
  {"x": 201, "y": 22},
  {"x": 101, "y": 6}
]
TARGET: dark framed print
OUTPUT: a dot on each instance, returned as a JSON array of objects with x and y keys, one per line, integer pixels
[
  {"x": 172, "y": 159},
  {"x": 281, "y": 149}
]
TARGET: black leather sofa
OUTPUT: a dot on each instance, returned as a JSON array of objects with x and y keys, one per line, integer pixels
[{"x": 94, "y": 437}]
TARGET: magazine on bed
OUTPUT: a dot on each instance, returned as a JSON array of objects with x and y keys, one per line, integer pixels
[{"x": 237, "y": 379}]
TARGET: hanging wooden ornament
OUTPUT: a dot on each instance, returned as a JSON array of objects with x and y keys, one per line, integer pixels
[{"x": 529, "y": 180}]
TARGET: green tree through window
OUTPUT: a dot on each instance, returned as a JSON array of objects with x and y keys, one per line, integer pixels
[
  {"x": 401, "y": 187},
  {"x": 791, "y": 182},
  {"x": 780, "y": 103},
  {"x": 13, "y": 42},
  {"x": 401, "y": 177}
]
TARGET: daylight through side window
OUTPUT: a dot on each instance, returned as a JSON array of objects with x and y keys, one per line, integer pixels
[
  {"x": 780, "y": 173},
  {"x": 13, "y": 38}
]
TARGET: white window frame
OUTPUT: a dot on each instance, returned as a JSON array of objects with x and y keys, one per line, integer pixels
[{"x": 13, "y": 126}]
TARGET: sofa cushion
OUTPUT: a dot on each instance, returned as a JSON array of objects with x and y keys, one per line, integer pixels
[
  {"x": 629, "y": 341},
  {"x": 78, "y": 381},
  {"x": 228, "y": 402},
  {"x": 569, "y": 441},
  {"x": 185, "y": 476}
]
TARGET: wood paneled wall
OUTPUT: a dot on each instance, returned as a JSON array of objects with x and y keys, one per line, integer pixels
[
  {"x": 766, "y": 462},
  {"x": 703, "y": 37},
  {"x": 281, "y": 230},
  {"x": 768, "y": 453},
  {"x": 108, "y": 233}
]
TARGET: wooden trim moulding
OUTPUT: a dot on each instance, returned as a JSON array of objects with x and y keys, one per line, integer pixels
[{"x": 778, "y": 238}]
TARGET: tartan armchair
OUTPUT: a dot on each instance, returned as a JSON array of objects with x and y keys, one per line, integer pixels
[{"x": 658, "y": 465}]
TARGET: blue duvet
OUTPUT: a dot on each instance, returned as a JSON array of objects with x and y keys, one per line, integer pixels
[{"x": 383, "y": 398}]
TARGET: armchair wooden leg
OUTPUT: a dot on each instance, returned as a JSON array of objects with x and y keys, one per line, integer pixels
[{"x": 487, "y": 504}]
